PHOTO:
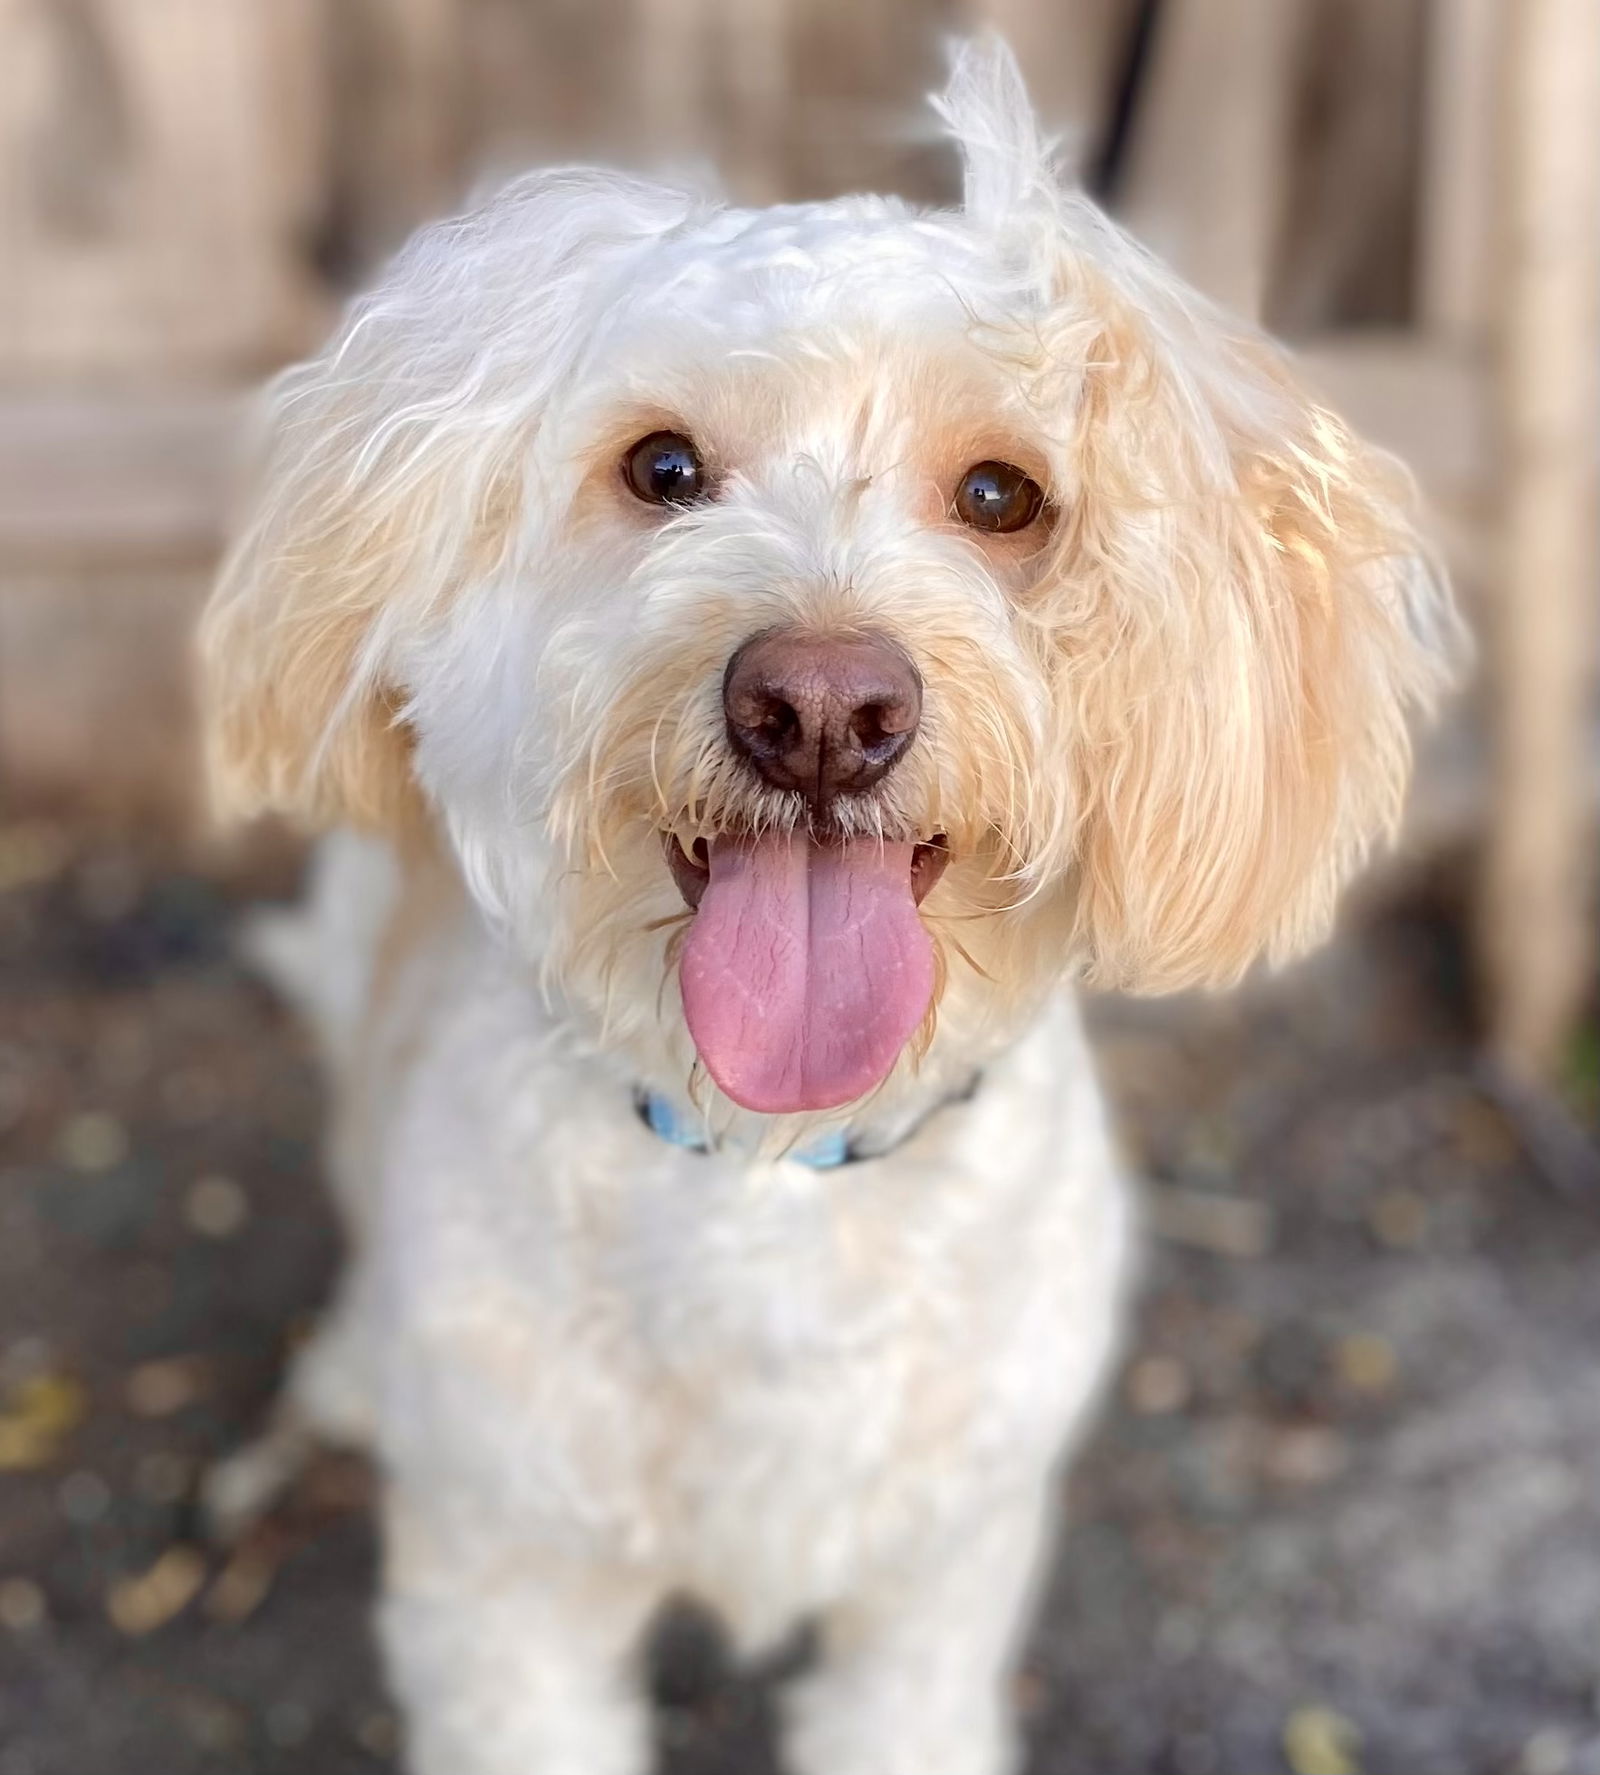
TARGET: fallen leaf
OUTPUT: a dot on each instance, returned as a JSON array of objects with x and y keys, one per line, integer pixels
[
  {"x": 1318, "y": 1741},
  {"x": 39, "y": 1416},
  {"x": 139, "y": 1605},
  {"x": 31, "y": 852},
  {"x": 1307, "y": 1454},
  {"x": 1225, "y": 1226},
  {"x": 1158, "y": 1385},
  {"x": 92, "y": 1141},
  {"x": 1399, "y": 1219},
  {"x": 1366, "y": 1363},
  {"x": 244, "y": 1582},
  {"x": 216, "y": 1207},
  {"x": 158, "y": 1389},
  {"x": 22, "y": 1605}
]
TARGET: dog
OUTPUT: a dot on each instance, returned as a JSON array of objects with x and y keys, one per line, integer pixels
[{"x": 756, "y": 667}]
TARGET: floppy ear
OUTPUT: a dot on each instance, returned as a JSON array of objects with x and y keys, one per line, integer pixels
[
  {"x": 298, "y": 716},
  {"x": 1242, "y": 616},
  {"x": 1236, "y": 610},
  {"x": 392, "y": 479}
]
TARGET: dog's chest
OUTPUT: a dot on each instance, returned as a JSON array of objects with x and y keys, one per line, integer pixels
[
  {"x": 759, "y": 1384},
  {"x": 822, "y": 1365},
  {"x": 753, "y": 1379}
]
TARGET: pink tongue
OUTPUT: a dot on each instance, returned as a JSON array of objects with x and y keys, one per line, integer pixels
[{"x": 806, "y": 971}]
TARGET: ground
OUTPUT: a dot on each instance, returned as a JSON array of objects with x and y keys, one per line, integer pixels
[{"x": 1342, "y": 1512}]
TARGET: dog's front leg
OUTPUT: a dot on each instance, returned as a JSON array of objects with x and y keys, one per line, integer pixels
[
  {"x": 916, "y": 1672},
  {"x": 510, "y": 1660}
]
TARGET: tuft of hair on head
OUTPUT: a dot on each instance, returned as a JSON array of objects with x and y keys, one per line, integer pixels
[{"x": 1007, "y": 163}]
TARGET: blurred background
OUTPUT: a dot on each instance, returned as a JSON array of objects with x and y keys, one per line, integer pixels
[{"x": 1343, "y": 1515}]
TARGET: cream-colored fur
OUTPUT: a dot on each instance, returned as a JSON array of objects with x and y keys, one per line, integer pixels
[{"x": 1160, "y": 730}]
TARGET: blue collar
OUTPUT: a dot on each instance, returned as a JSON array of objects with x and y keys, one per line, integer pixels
[
  {"x": 661, "y": 1116},
  {"x": 688, "y": 1131}
]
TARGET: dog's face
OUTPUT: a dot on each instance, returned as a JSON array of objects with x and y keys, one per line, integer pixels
[{"x": 812, "y": 625}]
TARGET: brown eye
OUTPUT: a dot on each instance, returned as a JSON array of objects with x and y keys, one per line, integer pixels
[
  {"x": 996, "y": 497},
  {"x": 665, "y": 469}
]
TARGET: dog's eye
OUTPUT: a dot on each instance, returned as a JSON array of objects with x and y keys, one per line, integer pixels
[
  {"x": 665, "y": 469},
  {"x": 996, "y": 497}
]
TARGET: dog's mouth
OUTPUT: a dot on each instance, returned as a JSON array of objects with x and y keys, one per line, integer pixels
[
  {"x": 807, "y": 968},
  {"x": 691, "y": 869}
]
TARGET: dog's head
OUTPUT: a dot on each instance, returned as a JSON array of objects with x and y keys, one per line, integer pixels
[{"x": 832, "y": 618}]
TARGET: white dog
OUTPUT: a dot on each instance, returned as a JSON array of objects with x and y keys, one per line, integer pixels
[{"x": 774, "y": 654}]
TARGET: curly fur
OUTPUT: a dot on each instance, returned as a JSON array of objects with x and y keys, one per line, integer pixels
[{"x": 1160, "y": 733}]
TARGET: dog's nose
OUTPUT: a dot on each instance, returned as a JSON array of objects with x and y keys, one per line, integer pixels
[{"x": 825, "y": 715}]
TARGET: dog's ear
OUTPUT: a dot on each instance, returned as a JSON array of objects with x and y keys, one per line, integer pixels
[
  {"x": 392, "y": 482},
  {"x": 298, "y": 718},
  {"x": 1241, "y": 615},
  {"x": 1235, "y": 606}
]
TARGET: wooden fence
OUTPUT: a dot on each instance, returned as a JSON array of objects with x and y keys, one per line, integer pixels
[{"x": 1406, "y": 187}]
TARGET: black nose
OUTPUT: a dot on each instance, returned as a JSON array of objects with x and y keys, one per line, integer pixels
[{"x": 824, "y": 715}]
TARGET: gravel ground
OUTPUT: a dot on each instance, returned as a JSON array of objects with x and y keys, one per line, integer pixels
[{"x": 1341, "y": 1516}]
